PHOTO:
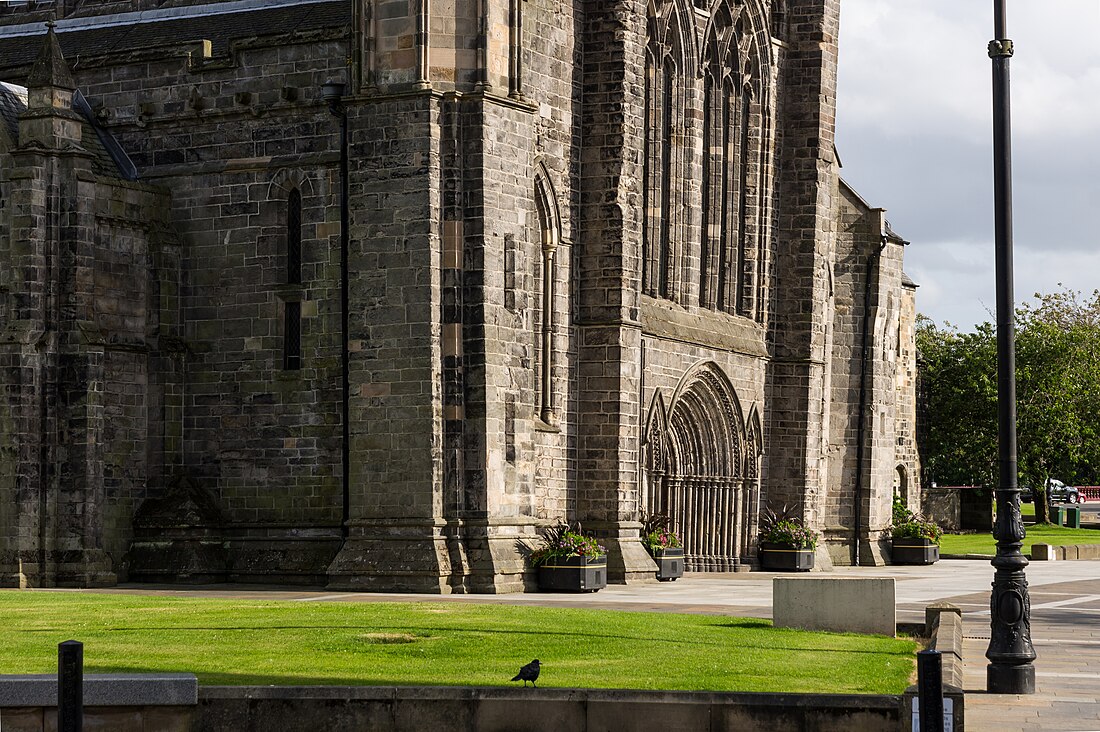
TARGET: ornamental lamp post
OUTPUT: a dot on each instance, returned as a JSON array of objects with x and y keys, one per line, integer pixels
[{"x": 1011, "y": 669}]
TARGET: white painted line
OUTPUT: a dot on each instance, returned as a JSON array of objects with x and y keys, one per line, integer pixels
[
  {"x": 1063, "y": 603},
  {"x": 324, "y": 598},
  {"x": 70, "y": 25}
]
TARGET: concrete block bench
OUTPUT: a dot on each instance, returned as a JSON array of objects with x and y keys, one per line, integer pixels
[{"x": 837, "y": 604}]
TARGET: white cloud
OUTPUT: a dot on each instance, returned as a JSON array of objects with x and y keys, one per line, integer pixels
[{"x": 914, "y": 128}]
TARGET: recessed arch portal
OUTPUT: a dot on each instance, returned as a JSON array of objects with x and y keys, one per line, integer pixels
[{"x": 701, "y": 468}]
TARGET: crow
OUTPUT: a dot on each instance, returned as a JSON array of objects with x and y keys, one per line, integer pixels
[{"x": 530, "y": 672}]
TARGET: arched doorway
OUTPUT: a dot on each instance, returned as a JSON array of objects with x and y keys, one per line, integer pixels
[
  {"x": 702, "y": 463},
  {"x": 901, "y": 484}
]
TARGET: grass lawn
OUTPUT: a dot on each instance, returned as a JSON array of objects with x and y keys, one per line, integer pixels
[
  {"x": 439, "y": 643},
  {"x": 984, "y": 543}
]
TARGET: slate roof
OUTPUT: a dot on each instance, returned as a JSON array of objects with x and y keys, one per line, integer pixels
[
  {"x": 13, "y": 100},
  {"x": 219, "y": 29}
]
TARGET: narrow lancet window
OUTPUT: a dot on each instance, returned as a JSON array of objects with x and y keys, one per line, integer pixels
[
  {"x": 292, "y": 336},
  {"x": 550, "y": 236},
  {"x": 294, "y": 237}
]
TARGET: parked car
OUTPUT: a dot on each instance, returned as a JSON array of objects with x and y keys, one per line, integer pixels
[
  {"x": 1059, "y": 493},
  {"x": 1062, "y": 493}
]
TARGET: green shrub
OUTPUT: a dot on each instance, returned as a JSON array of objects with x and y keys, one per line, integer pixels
[{"x": 909, "y": 525}]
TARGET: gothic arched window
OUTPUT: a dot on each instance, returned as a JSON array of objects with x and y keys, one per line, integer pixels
[
  {"x": 733, "y": 166},
  {"x": 294, "y": 237},
  {"x": 550, "y": 237},
  {"x": 662, "y": 191}
]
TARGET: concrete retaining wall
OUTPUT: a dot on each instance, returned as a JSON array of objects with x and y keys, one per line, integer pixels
[
  {"x": 115, "y": 702},
  {"x": 463, "y": 709}
]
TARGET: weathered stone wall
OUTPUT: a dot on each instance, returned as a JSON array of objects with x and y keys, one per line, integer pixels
[
  {"x": 231, "y": 139},
  {"x": 907, "y": 478},
  {"x": 797, "y": 393},
  {"x": 82, "y": 321},
  {"x": 131, "y": 320},
  {"x": 503, "y": 360},
  {"x": 872, "y": 368}
]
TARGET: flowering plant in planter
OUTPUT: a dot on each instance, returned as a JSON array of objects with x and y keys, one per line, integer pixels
[
  {"x": 783, "y": 529},
  {"x": 563, "y": 541},
  {"x": 909, "y": 525},
  {"x": 657, "y": 533},
  {"x": 785, "y": 544},
  {"x": 664, "y": 546}
]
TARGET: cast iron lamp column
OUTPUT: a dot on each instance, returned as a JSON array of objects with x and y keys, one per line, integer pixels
[{"x": 1010, "y": 654}]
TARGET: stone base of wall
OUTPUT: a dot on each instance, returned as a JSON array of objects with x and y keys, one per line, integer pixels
[
  {"x": 838, "y": 551},
  {"x": 77, "y": 568},
  {"x": 307, "y": 709},
  {"x": 253, "y": 554},
  {"x": 481, "y": 556}
]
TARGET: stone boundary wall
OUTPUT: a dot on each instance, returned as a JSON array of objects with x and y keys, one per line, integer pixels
[
  {"x": 1045, "y": 553},
  {"x": 307, "y": 709},
  {"x": 117, "y": 702},
  {"x": 943, "y": 625},
  {"x": 1048, "y": 552}
]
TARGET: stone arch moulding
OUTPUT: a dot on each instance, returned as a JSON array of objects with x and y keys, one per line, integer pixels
[
  {"x": 287, "y": 179},
  {"x": 701, "y": 468},
  {"x": 724, "y": 17},
  {"x": 673, "y": 17}
]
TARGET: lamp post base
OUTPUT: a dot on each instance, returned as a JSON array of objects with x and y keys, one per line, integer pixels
[{"x": 1004, "y": 679}]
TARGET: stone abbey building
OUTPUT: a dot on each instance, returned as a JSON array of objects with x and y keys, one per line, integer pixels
[{"x": 534, "y": 260}]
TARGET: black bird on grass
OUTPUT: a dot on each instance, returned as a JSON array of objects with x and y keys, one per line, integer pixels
[{"x": 530, "y": 672}]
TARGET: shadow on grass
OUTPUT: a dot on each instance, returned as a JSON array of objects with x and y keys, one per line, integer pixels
[
  {"x": 425, "y": 633},
  {"x": 216, "y": 678}
]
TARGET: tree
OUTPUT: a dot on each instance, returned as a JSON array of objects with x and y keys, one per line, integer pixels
[{"x": 1057, "y": 396}]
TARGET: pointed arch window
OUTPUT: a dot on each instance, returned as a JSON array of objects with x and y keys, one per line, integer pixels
[
  {"x": 550, "y": 237},
  {"x": 294, "y": 237},
  {"x": 740, "y": 270},
  {"x": 733, "y": 167},
  {"x": 292, "y": 311},
  {"x": 664, "y": 157}
]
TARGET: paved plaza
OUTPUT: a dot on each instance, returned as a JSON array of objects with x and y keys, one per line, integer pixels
[{"x": 1065, "y": 610}]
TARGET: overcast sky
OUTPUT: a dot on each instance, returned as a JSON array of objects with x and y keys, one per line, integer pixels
[{"x": 914, "y": 131}]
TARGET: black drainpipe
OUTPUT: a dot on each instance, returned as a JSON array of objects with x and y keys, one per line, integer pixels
[
  {"x": 862, "y": 428},
  {"x": 333, "y": 93}
]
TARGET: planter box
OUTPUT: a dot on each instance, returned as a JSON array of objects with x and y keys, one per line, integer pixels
[
  {"x": 779, "y": 558},
  {"x": 914, "y": 551},
  {"x": 574, "y": 574},
  {"x": 670, "y": 564}
]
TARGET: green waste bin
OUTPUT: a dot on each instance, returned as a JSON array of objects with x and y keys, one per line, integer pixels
[
  {"x": 1056, "y": 515},
  {"x": 1073, "y": 517}
]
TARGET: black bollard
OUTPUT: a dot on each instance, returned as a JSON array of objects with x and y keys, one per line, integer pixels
[
  {"x": 930, "y": 690},
  {"x": 70, "y": 686}
]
